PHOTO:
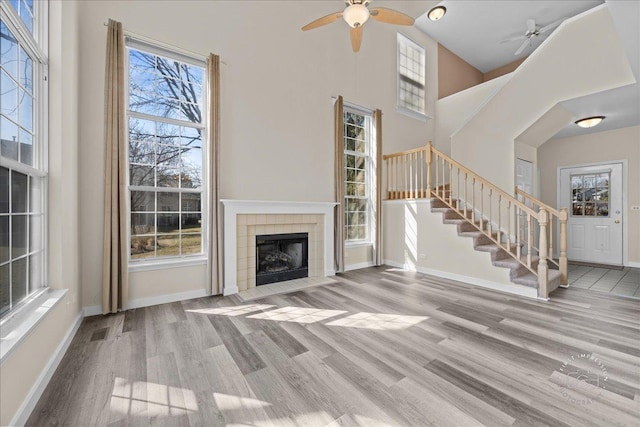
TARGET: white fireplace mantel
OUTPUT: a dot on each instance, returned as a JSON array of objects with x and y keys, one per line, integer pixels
[{"x": 233, "y": 208}]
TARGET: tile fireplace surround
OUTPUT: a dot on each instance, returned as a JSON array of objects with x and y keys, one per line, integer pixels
[{"x": 244, "y": 219}]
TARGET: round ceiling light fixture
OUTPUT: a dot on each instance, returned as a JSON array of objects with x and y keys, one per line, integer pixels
[
  {"x": 589, "y": 122},
  {"x": 356, "y": 15},
  {"x": 436, "y": 13}
]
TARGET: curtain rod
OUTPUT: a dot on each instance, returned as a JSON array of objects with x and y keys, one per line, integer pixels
[
  {"x": 167, "y": 46},
  {"x": 360, "y": 107}
]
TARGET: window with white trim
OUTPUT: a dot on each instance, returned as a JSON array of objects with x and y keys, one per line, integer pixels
[
  {"x": 23, "y": 152},
  {"x": 167, "y": 152},
  {"x": 358, "y": 175},
  {"x": 411, "y": 77}
]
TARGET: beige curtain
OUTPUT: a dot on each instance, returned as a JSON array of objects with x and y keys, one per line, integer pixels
[
  {"x": 339, "y": 160},
  {"x": 378, "y": 255},
  {"x": 215, "y": 235},
  {"x": 114, "y": 260}
]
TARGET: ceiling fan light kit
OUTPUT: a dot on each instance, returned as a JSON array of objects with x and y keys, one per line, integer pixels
[
  {"x": 436, "y": 13},
  {"x": 589, "y": 122},
  {"x": 356, "y": 14}
]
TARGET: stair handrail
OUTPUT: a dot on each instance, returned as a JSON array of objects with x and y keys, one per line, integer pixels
[
  {"x": 406, "y": 172},
  {"x": 561, "y": 216}
]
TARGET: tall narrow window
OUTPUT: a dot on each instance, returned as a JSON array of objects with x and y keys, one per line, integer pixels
[
  {"x": 167, "y": 144},
  {"x": 358, "y": 175},
  {"x": 411, "y": 77},
  {"x": 22, "y": 153}
]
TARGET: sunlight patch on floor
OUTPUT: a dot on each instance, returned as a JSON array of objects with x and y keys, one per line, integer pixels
[
  {"x": 229, "y": 402},
  {"x": 378, "y": 321},
  {"x": 152, "y": 399},
  {"x": 298, "y": 314}
]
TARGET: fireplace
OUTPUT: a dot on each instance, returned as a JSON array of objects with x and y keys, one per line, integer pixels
[{"x": 281, "y": 257}]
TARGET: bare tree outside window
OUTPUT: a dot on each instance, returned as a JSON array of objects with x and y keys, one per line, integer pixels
[{"x": 165, "y": 152}]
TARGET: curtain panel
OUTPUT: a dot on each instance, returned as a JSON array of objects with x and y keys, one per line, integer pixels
[
  {"x": 339, "y": 184},
  {"x": 378, "y": 256},
  {"x": 115, "y": 248},
  {"x": 215, "y": 272}
]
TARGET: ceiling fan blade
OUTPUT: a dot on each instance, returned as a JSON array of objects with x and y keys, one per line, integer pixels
[
  {"x": 551, "y": 26},
  {"x": 531, "y": 25},
  {"x": 513, "y": 39},
  {"x": 322, "y": 21},
  {"x": 356, "y": 38},
  {"x": 522, "y": 47},
  {"x": 391, "y": 16}
]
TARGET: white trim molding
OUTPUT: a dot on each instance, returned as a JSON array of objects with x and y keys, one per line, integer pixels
[
  {"x": 232, "y": 208},
  {"x": 510, "y": 288},
  {"x": 94, "y": 310},
  {"x": 29, "y": 403},
  {"x": 359, "y": 265}
]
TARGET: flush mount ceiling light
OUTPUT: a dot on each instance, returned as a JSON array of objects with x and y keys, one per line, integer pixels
[
  {"x": 437, "y": 13},
  {"x": 589, "y": 122}
]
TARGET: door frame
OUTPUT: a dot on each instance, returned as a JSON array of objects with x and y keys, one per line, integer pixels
[{"x": 624, "y": 162}]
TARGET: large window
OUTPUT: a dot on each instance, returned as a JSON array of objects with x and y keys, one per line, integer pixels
[
  {"x": 22, "y": 153},
  {"x": 358, "y": 175},
  {"x": 166, "y": 155},
  {"x": 411, "y": 77}
]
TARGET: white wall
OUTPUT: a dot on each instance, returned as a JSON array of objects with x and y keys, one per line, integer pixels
[
  {"x": 598, "y": 147},
  {"x": 21, "y": 369},
  {"x": 276, "y": 89}
]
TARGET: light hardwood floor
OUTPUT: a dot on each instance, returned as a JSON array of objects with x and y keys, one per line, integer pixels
[{"x": 379, "y": 347}]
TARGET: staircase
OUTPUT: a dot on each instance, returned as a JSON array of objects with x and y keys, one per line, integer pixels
[{"x": 516, "y": 230}]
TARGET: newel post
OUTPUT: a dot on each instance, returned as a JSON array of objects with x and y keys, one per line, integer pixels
[
  {"x": 429, "y": 160},
  {"x": 564, "y": 216},
  {"x": 543, "y": 267}
]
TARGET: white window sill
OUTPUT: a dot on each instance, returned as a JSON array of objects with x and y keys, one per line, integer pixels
[
  {"x": 16, "y": 327},
  {"x": 348, "y": 245},
  {"x": 413, "y": 114},
  {"x": 166, "y": 264}
]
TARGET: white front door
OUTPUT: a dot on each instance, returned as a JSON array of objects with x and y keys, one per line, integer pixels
[
  {"x": 593, "y": 196},
  {"x": 524, "y": 181}
]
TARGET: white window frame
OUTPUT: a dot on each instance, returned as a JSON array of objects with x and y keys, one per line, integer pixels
[
  {"x": 155, "y": 48},
  {"x": 401, "y": 107},
  {"x": 370, "y": 177},
  {"x": 36, "y": 46}
]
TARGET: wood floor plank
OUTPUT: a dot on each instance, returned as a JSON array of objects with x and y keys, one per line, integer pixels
[{"x": 383, "y": 347}]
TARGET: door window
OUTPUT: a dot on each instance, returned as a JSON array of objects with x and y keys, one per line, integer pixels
[{"x": 590, "y": 194}]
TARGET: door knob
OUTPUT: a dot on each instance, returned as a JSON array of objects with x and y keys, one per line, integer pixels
[{"x": 617, "y": 221}]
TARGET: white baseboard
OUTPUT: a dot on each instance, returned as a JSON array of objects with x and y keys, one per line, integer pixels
[
  {"x": 359, "y": 265},
  {"x": 146, "y": 302},
  {"x": 93, "y": 310},
  {"x": 164, "y": 299},
  {"x": 23, "y": 413},
  {"x": 633, "y": 264},
  {"x": 524, "y": 291}
]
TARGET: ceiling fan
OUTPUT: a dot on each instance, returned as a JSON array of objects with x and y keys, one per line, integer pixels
[
  {"x": 532, "y": 32},
  {"x": 356, "y": 14}
]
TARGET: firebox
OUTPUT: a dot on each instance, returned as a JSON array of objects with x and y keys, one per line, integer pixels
[{"x": 281, "y": 257}]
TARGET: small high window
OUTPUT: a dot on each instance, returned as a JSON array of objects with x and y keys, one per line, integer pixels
[{"x": 411, "y": 77}]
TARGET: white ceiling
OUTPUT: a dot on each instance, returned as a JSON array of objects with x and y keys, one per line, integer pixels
[{"x": 473, "y": 30}]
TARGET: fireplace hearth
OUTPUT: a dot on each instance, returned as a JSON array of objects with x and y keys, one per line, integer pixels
[{"x": 281, "y": 257}]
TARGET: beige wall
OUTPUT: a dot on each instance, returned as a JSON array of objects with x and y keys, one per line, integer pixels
[
  {"x": 25, "y": 364},
  {"x": 582, "y": 56},
  {"x": 454, "y": 73},
  {"x": 454, "y": 111},
  {"x": 501, "y": 71},
  {"x": 596, "y": 148},
  {"x": 357, "y": 256},
  {"x": 276, "y": 89},
  {"x": 416, "y": 237}
]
